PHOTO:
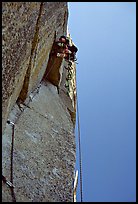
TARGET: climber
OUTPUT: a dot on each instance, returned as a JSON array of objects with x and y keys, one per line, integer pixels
[
  {"x": 70, "y": 50},
  {"x": 63, "y": 44},
  {"x": 73, "y": 50},
  {"x": 63, "y": 49}
]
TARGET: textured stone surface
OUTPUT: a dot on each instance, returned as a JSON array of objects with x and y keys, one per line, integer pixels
[
  {"x": 44, "y": 146},
  {"x": 18, "y": 25},
  {"x": 28, "y": 30},
  {"x": 44, "y": 150}
]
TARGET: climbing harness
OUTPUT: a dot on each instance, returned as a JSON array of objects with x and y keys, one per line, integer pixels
[{"x": 10, "y": 183}]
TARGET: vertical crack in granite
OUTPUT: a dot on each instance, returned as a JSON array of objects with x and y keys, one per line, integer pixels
[{"x": 24, "y": 91}]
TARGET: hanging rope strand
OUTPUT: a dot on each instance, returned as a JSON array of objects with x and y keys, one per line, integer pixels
[{"x": 79, "y": 142}]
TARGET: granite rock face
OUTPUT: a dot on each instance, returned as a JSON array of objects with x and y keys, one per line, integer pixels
[
  {"x": 28, "y": 31},
  {"x": 44, "y": 149},
  {"x": 43, "y": 109}
]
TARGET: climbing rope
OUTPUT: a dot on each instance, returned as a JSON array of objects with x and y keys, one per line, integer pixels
[
  {"x": 79, "y": 137},
  {"x": 79, "y": 143}
]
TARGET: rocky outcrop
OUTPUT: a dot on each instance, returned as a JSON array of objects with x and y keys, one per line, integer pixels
[
  {"x": 38, "y": 100},
  {"x": 28, "y": 31},
  {"x": 44, "y": 149}
]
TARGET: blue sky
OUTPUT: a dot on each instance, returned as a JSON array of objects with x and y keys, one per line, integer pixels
[{"x": 105, "y": 34}]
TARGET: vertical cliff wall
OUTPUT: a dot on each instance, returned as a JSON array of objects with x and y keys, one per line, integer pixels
[
  {"x": 39, "y": 102},
  {"x": 28, "y": 30}
]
